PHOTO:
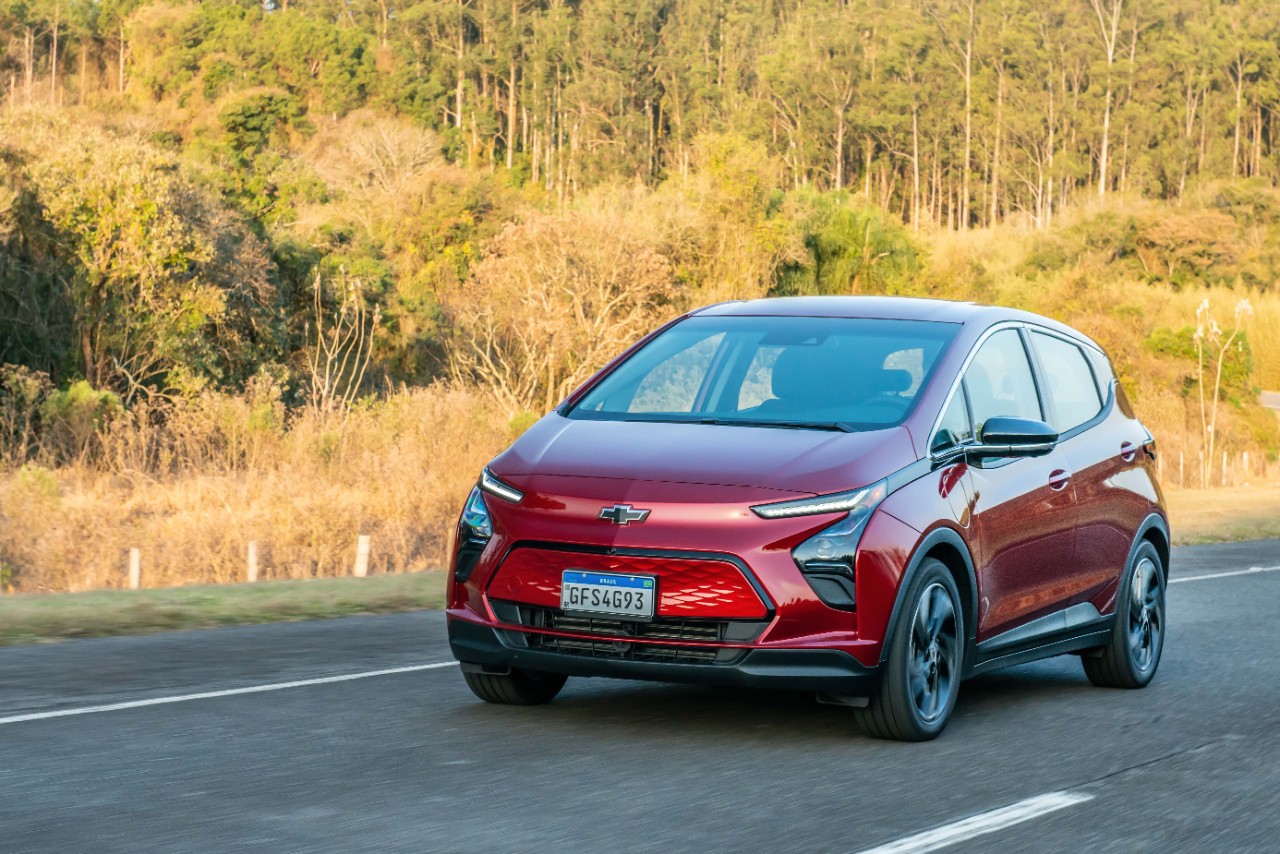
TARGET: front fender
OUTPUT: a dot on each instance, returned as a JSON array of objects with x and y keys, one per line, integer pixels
[{"x": 946, "y": 544}]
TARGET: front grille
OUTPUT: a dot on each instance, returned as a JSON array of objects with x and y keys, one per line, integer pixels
[
  {"x": 705, "y": 587},
  {"x": 701, "y": 635},
  {"x": 626, "y": 651},
  {"x": 704, "y": 631}
]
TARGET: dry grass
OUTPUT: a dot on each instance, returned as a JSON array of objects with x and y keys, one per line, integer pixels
[
  {"x": 1199, "y": 516},
  {"x": 225, "y": 472},
  {"x": 1224, "y": 515},
  {"x": 1264, "y": 335},
  {"x": 36, "y": 617}
]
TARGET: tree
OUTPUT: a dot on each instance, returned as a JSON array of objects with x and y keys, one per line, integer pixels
[
  {"x": 1108, "y": 13},
  {"x": 818, "y": 62},
  {"x": 955, "y": 113},
  {"x": 165, "y": 290},
  {"x": 958, "y": 30},
  {"x": 553, "y": 300},
  {"x": 849, "y": 249},
  {"x": 114, "y": 19}
]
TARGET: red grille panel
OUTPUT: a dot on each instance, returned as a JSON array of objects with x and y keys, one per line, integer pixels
[{"x": 686, "y": 588}]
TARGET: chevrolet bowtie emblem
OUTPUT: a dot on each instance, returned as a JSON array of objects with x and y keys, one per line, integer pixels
[{"x": 623, "y": 514}]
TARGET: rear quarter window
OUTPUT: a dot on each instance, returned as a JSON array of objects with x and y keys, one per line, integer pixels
[{"x": 1069, "y": 381}]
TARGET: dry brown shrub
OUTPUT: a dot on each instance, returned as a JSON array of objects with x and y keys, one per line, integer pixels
[
  {"x": 1190, "y": 242},
  {"x": 367, "y": 151},
  {"x": 554, "y": 300}
]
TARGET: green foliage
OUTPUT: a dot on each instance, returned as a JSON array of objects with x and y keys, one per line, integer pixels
[
  {"x": 154, "y": 284},
  {"x": 1229, "y": 241},
  {"x": 34, "y": 320},
  {"x": 911, "y": 104},
  {"x": 1237, "y": 366},
  {"x": 253, "y": 122},
  {"x": 520, "y": 422},
  {"x": 224, "y": 154},
  {"x": 37, "y": 484},
  {"x": 22, "y": 391},
  {"x": 80, "y": 407},
  {"x": 850, "y": 249},
  {"x": 72, "y": 416}
]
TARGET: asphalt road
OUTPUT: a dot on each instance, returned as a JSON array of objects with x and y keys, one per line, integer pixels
[{"x": 410, "y": 761}]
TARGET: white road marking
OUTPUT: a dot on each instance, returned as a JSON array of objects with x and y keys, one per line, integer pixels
[
  {"x": 1250, "y": 571},
  {"x": 980, "y": 825},
  {"x": 975, "y": 826},
  {"x": 230, "y": 692}
]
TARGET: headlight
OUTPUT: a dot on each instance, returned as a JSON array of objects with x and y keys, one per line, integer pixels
[
  {"x": 475, "y": 517},
  {"x": 827, "y": 558},
  {"x": 474, "y": 530}
]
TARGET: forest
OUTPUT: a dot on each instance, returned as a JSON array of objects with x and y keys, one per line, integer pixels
[
  {"x": 289, "y": 272},
  {"x": 947, "y": 113}
]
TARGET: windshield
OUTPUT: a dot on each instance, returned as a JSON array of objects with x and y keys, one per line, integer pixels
[{"x": 804, "y": 372}]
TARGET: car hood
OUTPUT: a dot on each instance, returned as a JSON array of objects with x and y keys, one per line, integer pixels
[{"x": 795, "y": 461}]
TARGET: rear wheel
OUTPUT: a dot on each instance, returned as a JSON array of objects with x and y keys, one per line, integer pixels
[
  {"x": 517, "y": 688},
  {"x": 921, "y": 676},
  {"x": 1131, "y": 657}
]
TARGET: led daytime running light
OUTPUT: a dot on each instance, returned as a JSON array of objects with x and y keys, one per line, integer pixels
[
  {"x": 493, "y": 486},
  {"x": 835, "y": 503}
]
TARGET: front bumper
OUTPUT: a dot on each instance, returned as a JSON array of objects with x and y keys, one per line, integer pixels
[{"x": 828, "y": 671}]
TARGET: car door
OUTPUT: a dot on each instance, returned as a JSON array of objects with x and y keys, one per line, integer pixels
[
  {"x": 1098, "y": 451},
  {"x": 1023, "y": 509}
]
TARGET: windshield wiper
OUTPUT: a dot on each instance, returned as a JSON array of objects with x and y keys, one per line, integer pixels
[{"x": 836, "y": 426}]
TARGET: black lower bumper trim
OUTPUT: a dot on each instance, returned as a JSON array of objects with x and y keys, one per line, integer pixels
[{"x": 825, "y": 670}]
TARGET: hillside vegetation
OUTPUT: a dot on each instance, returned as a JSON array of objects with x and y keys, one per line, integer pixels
[{"x": 290, "y": 274}]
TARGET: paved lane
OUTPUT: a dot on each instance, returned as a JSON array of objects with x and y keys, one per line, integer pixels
[{"x": 411, "y": 762}]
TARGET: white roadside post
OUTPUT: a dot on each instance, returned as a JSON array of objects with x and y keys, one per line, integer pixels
[
  {"x": 135, "y": 568},
  {"x": 253, "y": 561},
  {"x": 362, "y": 557}
]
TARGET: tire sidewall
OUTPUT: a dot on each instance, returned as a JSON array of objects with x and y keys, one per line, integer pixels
[
  {"x": 1141, "y": 677},
  {"x": 897, "y": 677}
]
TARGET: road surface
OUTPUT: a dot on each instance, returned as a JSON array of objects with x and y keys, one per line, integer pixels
[{"x": 359, "y": 735}]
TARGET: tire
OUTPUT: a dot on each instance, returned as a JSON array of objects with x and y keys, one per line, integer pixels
[
  {"x": 920, "y": 678},
  {"x": 1131, "y": 657},
  {"x": 517, "y": 688}
]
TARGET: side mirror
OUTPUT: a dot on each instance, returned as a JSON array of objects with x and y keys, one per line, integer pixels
[{"x": 1006, "y": 436}]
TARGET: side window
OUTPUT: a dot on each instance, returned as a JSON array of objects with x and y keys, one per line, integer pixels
[
  {"x": 1068, "y": 381},
  {"x": 1103, "y": 371},
  {"x": 955, "y": 427},
  {"x": 999, "y": 380}
]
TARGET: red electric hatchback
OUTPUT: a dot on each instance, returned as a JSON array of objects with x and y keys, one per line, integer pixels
[{"x": 866, "y": 498}]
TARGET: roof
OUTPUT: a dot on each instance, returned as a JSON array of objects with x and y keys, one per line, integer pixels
[{"x": 884, "y": 308}]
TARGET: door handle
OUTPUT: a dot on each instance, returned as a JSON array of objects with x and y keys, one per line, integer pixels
[
  {"x": 1058, "y": 479},
  {"x": 1128, "y": 451}
]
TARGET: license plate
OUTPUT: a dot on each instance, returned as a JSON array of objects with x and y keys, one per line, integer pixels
[{"x": 616, "y": 595}]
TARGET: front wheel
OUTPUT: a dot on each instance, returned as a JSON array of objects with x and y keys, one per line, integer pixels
[
  {"x": 921, "y": 676},
  {"x": 1130, "y": 658},
  {"x": 517, "y": 688}
]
